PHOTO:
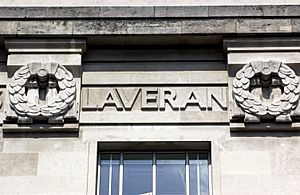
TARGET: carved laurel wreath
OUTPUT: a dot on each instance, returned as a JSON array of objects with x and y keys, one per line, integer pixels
[
  {"x": 252, "y": 104},
  {"x": 57, "y": 106}
]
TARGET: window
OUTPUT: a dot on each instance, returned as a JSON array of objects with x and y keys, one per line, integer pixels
[{"x": 160, "y": 173}]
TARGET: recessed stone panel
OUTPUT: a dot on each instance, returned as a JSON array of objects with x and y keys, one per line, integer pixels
[{"x": 156, "y": 104}]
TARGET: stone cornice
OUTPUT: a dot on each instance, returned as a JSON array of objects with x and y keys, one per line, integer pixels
[
  {"x": 188, "y": 20},
  {"x": 81, "y": 28},
  {"x": 86, "y": 12}
]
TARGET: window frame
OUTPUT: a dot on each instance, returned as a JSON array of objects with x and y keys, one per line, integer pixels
[{"x": 154, "y": 171}]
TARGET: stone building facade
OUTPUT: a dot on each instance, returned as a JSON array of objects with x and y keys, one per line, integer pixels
[{"x": 150, "y": 100}]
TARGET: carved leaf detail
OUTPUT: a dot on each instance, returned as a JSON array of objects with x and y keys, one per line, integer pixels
[
  {"x": 58, "y": 106},
  {"x": 252, "y": 104}
]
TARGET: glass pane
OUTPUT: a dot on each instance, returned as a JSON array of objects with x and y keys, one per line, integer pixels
[
  {"x": 137, "y": 174},
  {"x": 109, "y": 173},
  {"x": 198, "y": 164},
  {"x": 204, "y": 177},
  {"x": 170, "y": 177},
  {"x": 104, "y": 175},
  {"x": 194, "y": 180},
  {"x": 115, "y": 180}
]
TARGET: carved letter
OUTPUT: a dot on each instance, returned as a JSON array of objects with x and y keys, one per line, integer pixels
[
  {"x": 128, "y": 102},
  {"x": 193, "y": 98},
  {"x": 217, "y": 95},
  {"x": 111, "y": 99},
  {"x": 149, "y": 99},
  {"x": 167, "y": 95}
]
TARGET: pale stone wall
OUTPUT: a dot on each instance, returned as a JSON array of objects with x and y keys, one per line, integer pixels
[
  {"x": 260, "y": 165},
  {"x": 174, "y": 48},
  {"x": 243, "y": 163},
  {"x": 43, "y": 166}
]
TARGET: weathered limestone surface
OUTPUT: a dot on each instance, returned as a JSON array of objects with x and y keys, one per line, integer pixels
[
  {"x": 44, "y": 166},
  {"x": 268, "y": 25},
  {"x": 265, "y": 165},
  {"x": 127, "y": 11},
  {"x": 168, "y": 77},
  {"x": 154, "y": 133},
  {"x": 18, "y": 164},
  {"x": 149, "y": 27}
]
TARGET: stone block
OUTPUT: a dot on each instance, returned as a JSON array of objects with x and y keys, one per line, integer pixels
[
  {"x": 251, "y": 144},
  {"x": 296, "y": 25},
  {"x": 154, "y": 27},
  {"x": 260, "y": 184},
  {"x": 145, "y": 2},
  {"x": 208, "y": 26},
  {"x": 231, "y": 11},
  {"x": 125, "y": 3},
  {"x": 12, "y": 12},
  {"x": 43, "y": 185},
  {"x": 8, "y": 27},
  {"x": 154, "y": 133},
  {"x": 45, "y": 145},
  {"x": 49, "y": 46},
  {"x": 54, "y": 27},
  {"x": 264, "y": 26},
  {"x": 127, "y": 12},
  {"x": 35, "y": 12},
  {"x": 62, "y": 59},
  {"x": 63, "y": 164},
  {"x": 150, "y": 117},
  {"x": 18, "y": 164},
  {"x": 293, "y": 163},
  {"x": 73, "y": 12},
  {"x": 245, "y": 162},
  {"x": 92, "y": 27},
  {"x": 246, "y": 57},
  {"x": 181, "y": 11},
  {"x": 167, "y": 77},
  {"x": 281, "y": 10}
]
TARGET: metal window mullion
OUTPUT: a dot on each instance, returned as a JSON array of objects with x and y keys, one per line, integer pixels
[
  {"x": 198, "y": 175},
  {"x": 98, "y": 174},
  {"x": 187, "y": 174},
  {"x": 154, "y": 174},
  {"x": 121, "y": 174},
  {"x": 110, "y": 175},
  {"x": 209, "y": 175}
]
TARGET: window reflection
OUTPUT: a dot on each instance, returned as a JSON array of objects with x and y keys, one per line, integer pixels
[
  {"x": 198, "y": 166},
  {"x": 137, "y": 174},
  {"x": 170, "y": 174},
  {"x": 109, "y": 177},
  {"x": 154, "y": 173}
]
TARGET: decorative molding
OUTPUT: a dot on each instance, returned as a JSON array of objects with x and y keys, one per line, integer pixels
[
  {"x": 266, "y": 89},
  {"x": 42, "y": 91}
]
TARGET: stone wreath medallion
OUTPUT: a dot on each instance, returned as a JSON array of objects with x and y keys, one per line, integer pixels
[
  {"x": 252, "y": 104},
  {"x": 29, "y": 79}
]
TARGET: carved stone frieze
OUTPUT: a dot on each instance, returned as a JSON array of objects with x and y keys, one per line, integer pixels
[
  {"x": 266, "y": 90},
  {"x": 41, "y": 91}
]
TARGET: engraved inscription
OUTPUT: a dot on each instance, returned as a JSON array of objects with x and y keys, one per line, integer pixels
[{"x": 155, "y": 99}]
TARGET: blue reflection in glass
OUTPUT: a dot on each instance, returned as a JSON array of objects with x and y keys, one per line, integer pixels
[
  {"x": 137, "y": 174},
  {"x": 170, "y": 176},
  {"x": 198, "y": 164},
  {"x": 110, "y": 168}
]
